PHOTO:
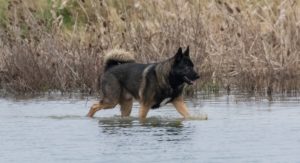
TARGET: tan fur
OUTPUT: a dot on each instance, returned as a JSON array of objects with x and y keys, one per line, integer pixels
[
  {"x": 181, "y": 107},
  {"x": 99, "y": 106},
  {"x": 120, "y": 55},
  {"x": 163, "y": 70},
  {"x": 126, "y": 107},
  {"x": 144, "y": 109},
  {"x": 143, "y": 83}
]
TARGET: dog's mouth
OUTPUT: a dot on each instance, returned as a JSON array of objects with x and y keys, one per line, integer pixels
[{"x": 190, "y": 81}]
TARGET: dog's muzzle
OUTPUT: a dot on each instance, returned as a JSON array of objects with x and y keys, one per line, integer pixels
[{"x": 191, "y": 80}]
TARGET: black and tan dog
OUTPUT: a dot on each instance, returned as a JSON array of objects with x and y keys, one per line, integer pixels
[{"x": 153, "y": 85}]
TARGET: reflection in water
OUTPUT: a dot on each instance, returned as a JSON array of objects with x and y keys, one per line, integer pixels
[
  {"x": 132, "y": 121},
  {"x": 163, "y": 129},
  {"x": 238, "y": 130}
]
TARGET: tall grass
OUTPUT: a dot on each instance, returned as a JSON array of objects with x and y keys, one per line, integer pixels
[{"x": 252, "y": 46}]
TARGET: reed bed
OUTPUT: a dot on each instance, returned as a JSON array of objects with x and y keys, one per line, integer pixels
[{"x": 251, "y": 46}]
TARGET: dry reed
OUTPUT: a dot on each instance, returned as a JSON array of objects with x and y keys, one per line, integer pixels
[{"x": 251, "y": 46}]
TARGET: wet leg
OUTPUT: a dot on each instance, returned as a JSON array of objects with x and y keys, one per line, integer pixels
[
  {"x": 126, "y": 107},
  {"x": 181, "y": 107},
  {"x": 99, "y": 106},
  {"x": 144, "y": 109}
]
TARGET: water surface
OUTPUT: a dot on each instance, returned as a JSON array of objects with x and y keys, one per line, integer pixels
[{"x": 54, "y": 129}]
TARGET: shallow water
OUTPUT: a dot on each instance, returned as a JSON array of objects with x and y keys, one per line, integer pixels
[{"x": 56, "y": 130}]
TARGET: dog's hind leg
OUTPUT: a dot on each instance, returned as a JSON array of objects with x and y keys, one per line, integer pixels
[
  {"x": 126, "y": 107},
  {"x": 94, "y": 108},
  {"x": 181, "y": 107},
  {"x": 144, "y": 109},
  {"x": 111, "y": 91},
  {"x": 99, "y": 106},
  {"x": 126, "y": 101}
]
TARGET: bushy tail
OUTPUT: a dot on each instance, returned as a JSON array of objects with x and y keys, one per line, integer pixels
[{"x": 117, "y": 56}]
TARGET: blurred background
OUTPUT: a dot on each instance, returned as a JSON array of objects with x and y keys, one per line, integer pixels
[{"x": 57, "y": 45}]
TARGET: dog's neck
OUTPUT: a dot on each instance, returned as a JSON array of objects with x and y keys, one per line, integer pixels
[{"x": 175, "y": 81}]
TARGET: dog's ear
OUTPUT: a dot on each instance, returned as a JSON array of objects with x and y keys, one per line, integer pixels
[
  {"x": 187, "y": 51},
  {"x": 179, "y": 51},
  {"x": 178, "y": 55}
]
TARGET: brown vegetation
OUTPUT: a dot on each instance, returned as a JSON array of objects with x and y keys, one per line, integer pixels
[{"x": 59, "y": 45}]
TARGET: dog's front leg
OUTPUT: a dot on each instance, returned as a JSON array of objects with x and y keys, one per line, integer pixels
[{"x": 181, "y": 107}]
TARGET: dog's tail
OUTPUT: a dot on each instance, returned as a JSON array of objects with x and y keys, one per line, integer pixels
[{"x": 117, "y": 56}]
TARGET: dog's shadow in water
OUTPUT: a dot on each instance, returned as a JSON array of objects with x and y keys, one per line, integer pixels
[
  {"x": 156, "y": 126},
  {"x": 128, "y": 122}
]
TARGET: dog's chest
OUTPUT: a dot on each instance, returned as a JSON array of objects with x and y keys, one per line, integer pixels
[
  {"x": 161, "y": 102},
  {"x": 166, "y": 95},
  {"x": 165, "y": 101},
  {"x": 163, "y": 98}
]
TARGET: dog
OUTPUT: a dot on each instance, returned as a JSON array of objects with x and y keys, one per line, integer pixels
[{"x": 153, "y": 85}]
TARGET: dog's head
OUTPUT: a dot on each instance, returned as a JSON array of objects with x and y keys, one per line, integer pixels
[{"x": 183, "y": 67}]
